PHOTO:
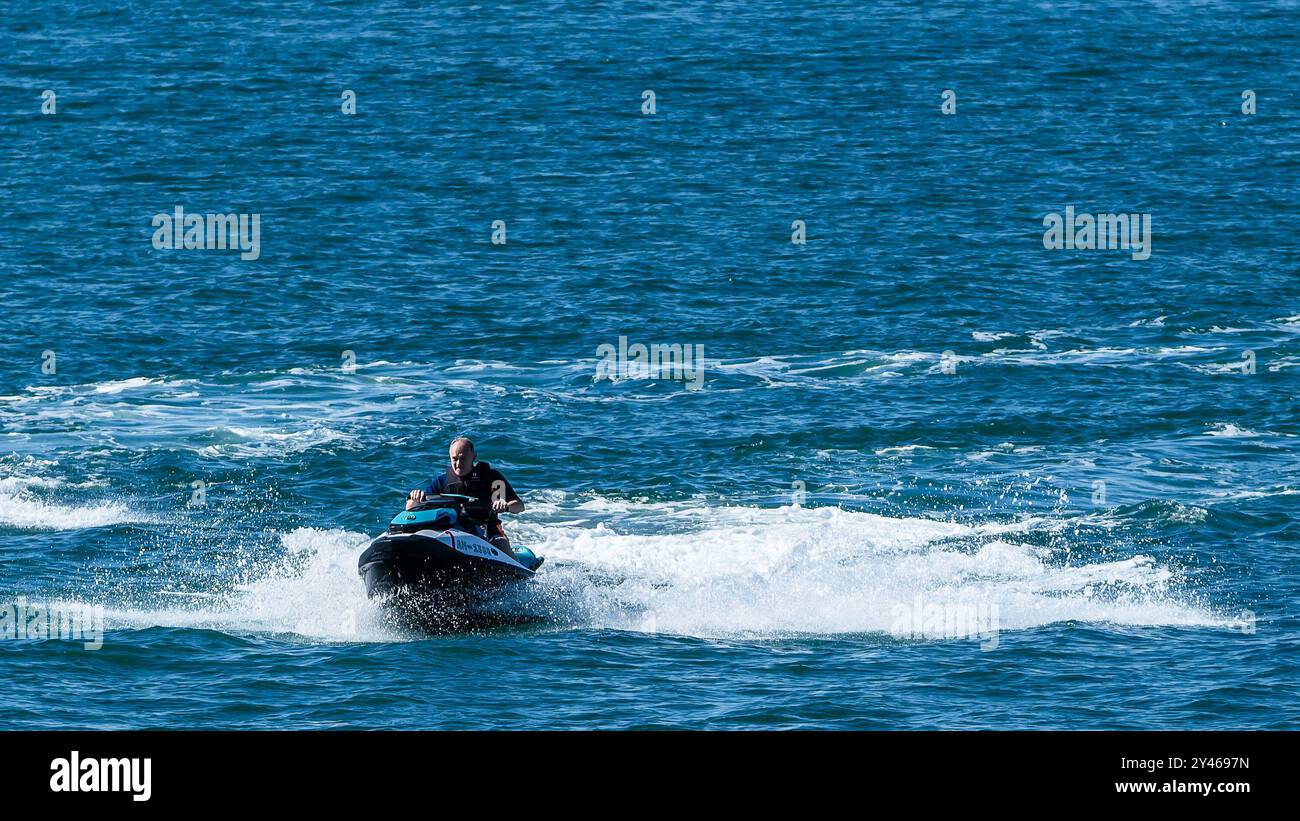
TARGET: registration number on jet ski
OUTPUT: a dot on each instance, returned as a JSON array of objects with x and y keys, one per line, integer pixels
[{"x": 473, "y": 549}]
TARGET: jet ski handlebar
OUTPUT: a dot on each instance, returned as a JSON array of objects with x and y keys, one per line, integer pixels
[{"x": 468, "y": 504}]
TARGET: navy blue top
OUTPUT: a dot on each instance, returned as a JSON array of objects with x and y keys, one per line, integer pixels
[{"x": 482, "y": 478}]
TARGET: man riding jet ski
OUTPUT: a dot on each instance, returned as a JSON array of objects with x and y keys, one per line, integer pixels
[
  {"x": 446, "y": 553},
  {"x": 466, "y": 477}
]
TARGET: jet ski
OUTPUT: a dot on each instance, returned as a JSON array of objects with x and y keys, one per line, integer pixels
[{"x": 436, "y": 569}]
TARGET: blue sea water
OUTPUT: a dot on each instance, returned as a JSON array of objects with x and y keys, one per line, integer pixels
[{"x": 918, "y": 415}]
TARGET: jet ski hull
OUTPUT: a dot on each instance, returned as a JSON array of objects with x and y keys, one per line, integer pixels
[{"x": 438, "y": 580}]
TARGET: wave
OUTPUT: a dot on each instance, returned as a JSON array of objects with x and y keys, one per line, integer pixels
[
  {"x": 731, "y": 571},
  {"x": 27, "y": 499},
  {"x": 119, "y": 385},
  {"x": 890, "y": 451},
  {"x": 1231, "y": 431},
  {"x": 22, "y": 511},
  {"x": 261, "y": 442},
  {"x": 110, "y": 386},
  {"x": 1153, "y": 322},
  {"x": 312, "y": 591},
  {"x": 773, "y": 572},
  {"x": 1239, "y": 495}
]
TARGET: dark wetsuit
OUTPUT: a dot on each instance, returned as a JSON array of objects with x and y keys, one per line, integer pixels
[{"x": 483, "y": 483}]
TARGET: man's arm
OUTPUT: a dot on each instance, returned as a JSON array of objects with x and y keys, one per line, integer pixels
[
  {"x": 420, "y": 495},
  {"x": 515, "y": 505},
  {"x": 504, "y": 498}
]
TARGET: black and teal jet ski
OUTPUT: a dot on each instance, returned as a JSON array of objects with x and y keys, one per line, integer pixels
[{"x": 436, "y": 564}]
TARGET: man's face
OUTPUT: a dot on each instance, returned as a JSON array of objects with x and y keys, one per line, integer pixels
[{"x": 462, "y": 459}]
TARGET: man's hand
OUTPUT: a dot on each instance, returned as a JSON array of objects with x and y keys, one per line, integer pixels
[
  {"x": 415, "y": 497},
  {"x": 500, "y": 506}
]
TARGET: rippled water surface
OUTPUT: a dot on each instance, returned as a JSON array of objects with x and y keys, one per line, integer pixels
[{"x": 919, "y": 415}]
